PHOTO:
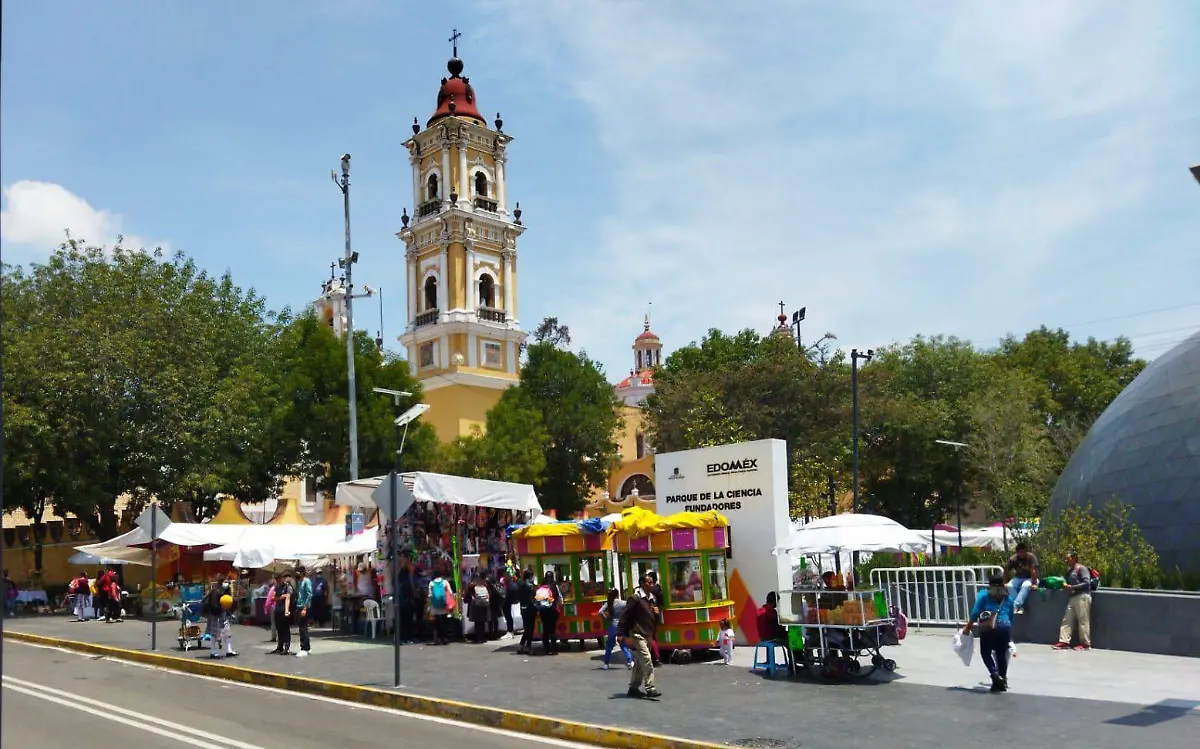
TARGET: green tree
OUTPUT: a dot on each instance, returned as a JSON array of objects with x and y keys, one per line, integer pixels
[
  {"x": 581, "y": 420},
  {"x": 911, "y": 396},
  {"x": 1009, "y": 449},
  {"x": 143, "y": 357},
  {"x": 312, "y": 417},
  {"x": 511, "y": 448},
  {"x": 1075, "y": 381}
]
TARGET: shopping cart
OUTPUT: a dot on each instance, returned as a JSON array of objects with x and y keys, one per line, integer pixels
[{"x": 190, "y": 615}]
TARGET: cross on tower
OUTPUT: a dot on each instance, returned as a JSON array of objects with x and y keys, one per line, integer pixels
[
  {"x": 781, "y": 312},
  {"x": 331, "y": 271},
  {"x": 454, "y": 40}
]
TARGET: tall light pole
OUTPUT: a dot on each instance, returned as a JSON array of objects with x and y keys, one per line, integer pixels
[
  {"x": 402, "y": 421},
  {"x": 957, "y": 494},
  {"x": 797, "y": 318},
  {"x": 854, "y": 358},
  {"x": 347, "y": 264}
]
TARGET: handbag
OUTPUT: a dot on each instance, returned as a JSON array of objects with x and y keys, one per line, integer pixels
[{"x": 988, "y": 624}]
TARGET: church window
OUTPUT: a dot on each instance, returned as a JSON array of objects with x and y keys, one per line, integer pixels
[
  {"x": 431, "y": 293},
  {"x": 487, "y": 291},
  {"x": 427, "y": 355},
  {"x": 481, "y": 184},
  {"x": 640, "y": 365},
  {"x": 433, "y": 187},
  {"x": 658, "y": 358},
  {"x": 641, "y": 445}
]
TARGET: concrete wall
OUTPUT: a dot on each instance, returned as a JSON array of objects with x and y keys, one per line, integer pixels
[{"x": 1135, "y": 621}]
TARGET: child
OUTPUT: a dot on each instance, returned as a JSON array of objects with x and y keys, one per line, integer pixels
[
  {"x": 610, "y": 613},
  {"x": 725, "y": 642}
]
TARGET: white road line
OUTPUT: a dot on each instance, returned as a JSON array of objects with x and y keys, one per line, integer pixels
[
  {"x": 527, "y": 737},
  {"x": 224, "y": 741},
  {"x": 172, "y": 735}
]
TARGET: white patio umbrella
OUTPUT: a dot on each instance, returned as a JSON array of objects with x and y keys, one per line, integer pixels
[{"x": 850, "y": 532}]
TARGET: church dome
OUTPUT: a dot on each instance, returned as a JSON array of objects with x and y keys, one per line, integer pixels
[
  {"x": 1144, "y": 451},
  {"x": 456, "y": 97}
]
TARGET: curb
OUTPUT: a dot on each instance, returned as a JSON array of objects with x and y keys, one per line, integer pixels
[{"x": 488, "y": 717}]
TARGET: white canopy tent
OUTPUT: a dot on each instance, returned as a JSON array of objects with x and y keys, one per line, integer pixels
[
  {"x": 851, "y": 532},
  {"x": 438, "y": 487},
  {"x": 121, "y": 548},
  {"x": 260, "y": 546}
]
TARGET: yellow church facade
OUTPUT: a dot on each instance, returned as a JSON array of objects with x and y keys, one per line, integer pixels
[{"x": 462, "y": 338}]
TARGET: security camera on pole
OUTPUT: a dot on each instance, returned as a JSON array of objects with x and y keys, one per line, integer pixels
[{"x": 398, "y": 499}]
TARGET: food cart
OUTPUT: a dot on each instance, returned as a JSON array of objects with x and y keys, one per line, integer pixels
[
  {"x": 831, "y": 627},
  {"x": 579, "y": 555},
  {"x": 688, "y": 551}
]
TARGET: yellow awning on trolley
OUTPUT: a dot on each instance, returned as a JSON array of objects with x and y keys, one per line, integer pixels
[{"x": 636, "y": 522}]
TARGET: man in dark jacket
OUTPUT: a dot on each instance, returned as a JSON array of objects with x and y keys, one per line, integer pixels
[
  {"x": 528, "y": 612},
  {"x": 638, "y": 627}
]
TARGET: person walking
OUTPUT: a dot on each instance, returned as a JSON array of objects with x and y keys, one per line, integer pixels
[
  {"x": 610, "y": 614},
  {"x": 284, "y": 599},
  {"x": 638, "y": 627},
  {"x": 528, "y": 612},
  {"x": 81, "y": 590},
  {"x": 993, "y": 613},
  {"x": 1079, "y": 606},
  {"x": 304, "y": 598},
  {"x": 269, "y": 604},
  {"x": 659, "y": 602}
]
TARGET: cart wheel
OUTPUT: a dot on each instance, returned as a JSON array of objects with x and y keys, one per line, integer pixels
[
  {"x": 599, "y": 642},
  {"x": 889, "y": 665},
  {"x": 682, "y": 657}
]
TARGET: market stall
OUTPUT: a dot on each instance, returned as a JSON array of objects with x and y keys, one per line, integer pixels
[
  {"x": 452, "y": 517},
  {"x": 688, "y": 551},
  {"x": 832, "y": 625},
  {"x": 580, "y": 556}
]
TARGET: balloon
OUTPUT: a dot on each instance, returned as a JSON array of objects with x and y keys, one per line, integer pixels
[{"x": 226, "y": 601}]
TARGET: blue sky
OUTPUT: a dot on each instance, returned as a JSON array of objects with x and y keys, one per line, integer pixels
[{"x": 967, "y": 168}]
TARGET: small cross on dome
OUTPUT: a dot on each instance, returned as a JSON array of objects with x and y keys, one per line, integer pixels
[{"x": 454, "y": 36}]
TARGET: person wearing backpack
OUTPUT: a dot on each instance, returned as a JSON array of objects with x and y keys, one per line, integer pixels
[
  {"x": 441, "y": 594},
  {"x": 548, "y": 600},
  {"x": 1079, "y": 582}
]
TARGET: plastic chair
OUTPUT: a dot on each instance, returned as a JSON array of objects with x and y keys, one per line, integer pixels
[
  {"x": 767, "y": 663},
  {"x": 372, "y": 617}
]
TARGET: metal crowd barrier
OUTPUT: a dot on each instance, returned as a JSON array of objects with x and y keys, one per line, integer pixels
[{"x": 933, "y": 595}]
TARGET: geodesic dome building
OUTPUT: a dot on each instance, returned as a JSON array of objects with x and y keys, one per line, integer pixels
[{"x": 1144, "y": 451}]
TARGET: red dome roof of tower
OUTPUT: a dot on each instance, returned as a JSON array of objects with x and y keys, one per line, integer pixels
[
  {"x": 648, "y": 335},
  {"x": 456, "y": 91}
]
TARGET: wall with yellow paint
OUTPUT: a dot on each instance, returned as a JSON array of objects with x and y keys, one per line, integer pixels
[{"x": 454, "y": 410}]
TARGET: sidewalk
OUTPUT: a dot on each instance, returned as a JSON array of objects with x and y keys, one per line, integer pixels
[{"x": 1099, "y": 699}]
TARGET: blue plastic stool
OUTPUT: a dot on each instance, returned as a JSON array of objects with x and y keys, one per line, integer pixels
[{"x": 768, "y": 663}]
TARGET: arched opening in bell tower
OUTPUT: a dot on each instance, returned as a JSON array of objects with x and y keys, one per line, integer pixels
[
  {"x": 432, "y": 187},
  {"x": 481, "y": 187},
  {"x": 431, "y": 293},
  {"x": 487, "y": 291}
]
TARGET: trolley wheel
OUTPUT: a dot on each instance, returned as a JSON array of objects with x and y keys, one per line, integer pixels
[
  {"x": 682, "y": 657},
  {"x": 878, "y": 660},
  {"x": 889, "y": 665},
  {"x": 599, "y": 642}
]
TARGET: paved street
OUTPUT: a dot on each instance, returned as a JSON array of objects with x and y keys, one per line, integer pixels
[
  {"x": 55, "y": 699},
  {"x": 1096, "y": 700}
]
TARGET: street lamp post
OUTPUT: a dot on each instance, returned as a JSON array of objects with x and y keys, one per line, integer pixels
[
  {"x": 797, "y": 318},
  {"x": 958, "y": 494},
  {"x": 401, "y": 423},
  {"x": 855, "y": 356},
  {"x": 347, "y": 263}
]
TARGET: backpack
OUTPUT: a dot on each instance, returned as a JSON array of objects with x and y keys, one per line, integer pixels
[
  {"x": 437, "y": 594},
  {"x": 1095, "y": 581},
  {"x": 544, "y": 597},
  {"x": 483, "y": 596}
]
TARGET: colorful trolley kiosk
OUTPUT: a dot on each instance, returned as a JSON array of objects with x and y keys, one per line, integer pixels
[
  {"x": 579, "y": 553},
  {"x": 688, "y": 551}
]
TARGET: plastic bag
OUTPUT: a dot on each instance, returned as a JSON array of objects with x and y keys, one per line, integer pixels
[{"x": 964, "y": 645}]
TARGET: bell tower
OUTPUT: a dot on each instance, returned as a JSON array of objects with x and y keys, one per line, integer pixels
[{"x": 463, "y": 337}]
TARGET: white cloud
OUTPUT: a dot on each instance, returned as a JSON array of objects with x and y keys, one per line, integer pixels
[
  {"x": 37, "y": 215},
  {"x": 881, "y": 166}
]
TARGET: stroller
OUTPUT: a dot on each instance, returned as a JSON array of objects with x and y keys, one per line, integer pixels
[{"x": 190, "y": 615}]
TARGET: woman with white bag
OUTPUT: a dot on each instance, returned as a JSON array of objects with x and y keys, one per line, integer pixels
[{"x": 993, "y": 613}]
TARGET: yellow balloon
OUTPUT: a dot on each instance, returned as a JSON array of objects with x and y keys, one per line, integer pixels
[{"x": 226, "y": 601}]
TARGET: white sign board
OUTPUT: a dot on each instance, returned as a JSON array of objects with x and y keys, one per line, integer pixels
[
  {"x": 747, "y": 483},
  {"x": 153, "y": 521}
]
